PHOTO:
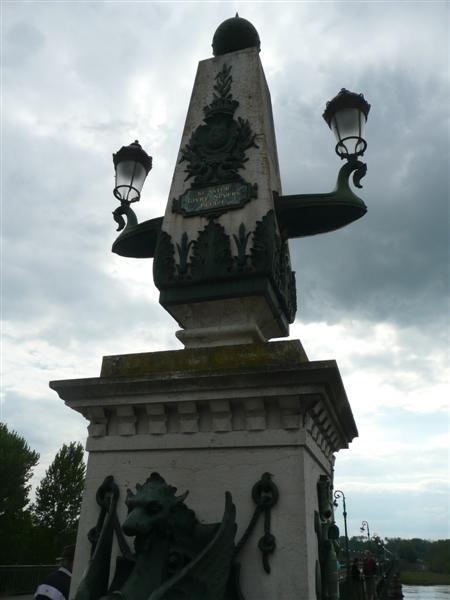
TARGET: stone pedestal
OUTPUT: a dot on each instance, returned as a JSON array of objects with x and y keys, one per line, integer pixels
[{"x": 211, "y": 420}]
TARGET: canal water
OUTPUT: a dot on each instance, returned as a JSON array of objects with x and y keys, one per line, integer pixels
[{"x": 426, "y": 592}]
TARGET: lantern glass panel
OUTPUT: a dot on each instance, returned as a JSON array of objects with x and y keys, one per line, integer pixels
[
  {"x": 347, "y": 124},
  {"x": 130, "y": 177}
]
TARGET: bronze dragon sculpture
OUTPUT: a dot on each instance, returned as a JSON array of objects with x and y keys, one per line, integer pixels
[{"x": 175, "y": 556}]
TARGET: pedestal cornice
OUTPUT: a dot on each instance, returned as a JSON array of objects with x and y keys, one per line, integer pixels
[{"x": 254, "y": 395}]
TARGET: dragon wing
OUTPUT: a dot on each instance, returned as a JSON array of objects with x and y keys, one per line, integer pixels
[{"x": 205, "y": 577}]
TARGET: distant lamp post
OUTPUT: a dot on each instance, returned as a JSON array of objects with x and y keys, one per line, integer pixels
[
  {"x": 365, "y": 527},
  {"x": 132, "y": 164},
  {"x": 346, "y": 114},
  {"x": 380, "y": 551},
  {"x": 339, "y": 494}
]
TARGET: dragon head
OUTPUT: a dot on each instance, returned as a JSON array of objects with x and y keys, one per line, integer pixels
[{"x": 151, "y": 506}]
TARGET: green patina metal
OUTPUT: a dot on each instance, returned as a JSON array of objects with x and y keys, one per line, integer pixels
[
  {"x": 164, "y": 268},
  {"x": 270, "y": 255},
  {"x": 175, "y": 556},
  {"x": 212, "y": 261},
  {"x": 327, "y": 579},
  {"x": 95, "y": 581},
  {"x": 183, "y": 252},
  {"x": 265, "y": 495},
  {"x": 138, "y": 240},
  {"x": 214, "y": 200},
  {"x": 106, "y": 497},
  {"x": 302, "y": 215},
  {"x": 124, "y": 209},
  {"x": 215, "y": 153},
  {"x": 241, "y": 241},
  {"x": 211, "y": 254},
  {"x": 235, "y": 34}
]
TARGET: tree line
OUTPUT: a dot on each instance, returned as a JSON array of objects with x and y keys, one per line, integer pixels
[
  {"x": 434, "y": 555},
  {"x": 415, "y": 553},
  {"x": 35, "y": 533}
]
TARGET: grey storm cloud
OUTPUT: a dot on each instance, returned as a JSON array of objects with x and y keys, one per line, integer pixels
[
  {"x": 402, "y": 269},
  {"x": 21, "y": 42}
]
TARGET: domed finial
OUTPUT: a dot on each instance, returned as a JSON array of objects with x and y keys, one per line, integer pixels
[{"x": 235, "y": 34}]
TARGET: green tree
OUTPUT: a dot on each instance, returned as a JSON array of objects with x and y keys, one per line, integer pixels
[
  {"x": 438, "y": 559},
  {"x": 406, "y": 550},
  {"x": 16, "y": 463},
  {"x": 58, "y": 500}
]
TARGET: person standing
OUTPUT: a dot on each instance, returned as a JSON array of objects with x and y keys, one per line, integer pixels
[
  {"x": 356, "y": 580},
  {"x": 56, "y": 585},
  {"x": 370, "y": 571}
]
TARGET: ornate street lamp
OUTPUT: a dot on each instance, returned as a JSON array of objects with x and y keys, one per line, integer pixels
[
  {"x": 302, "y": 215},
  {"x": 365, "y": 527},
  {"x": 339, "y": 494},
  {"x": 346, "y": 114},
  {"x": 132, "y": 164}
]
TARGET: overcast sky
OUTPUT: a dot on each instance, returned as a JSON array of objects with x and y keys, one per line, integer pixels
[{"x": 81, "y": 79}]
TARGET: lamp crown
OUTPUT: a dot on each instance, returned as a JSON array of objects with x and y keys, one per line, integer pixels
[
  {"x": 133, "y": 152},
  {"x": 345, "y": 99}
]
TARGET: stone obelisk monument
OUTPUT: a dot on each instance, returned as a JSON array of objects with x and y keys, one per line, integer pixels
[{"x": 232, "y": 411}]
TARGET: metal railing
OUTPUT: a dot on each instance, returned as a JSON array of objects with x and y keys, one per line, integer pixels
[
  {"x": 350, "y": 589},
  {"x": 22, "y": 579}
]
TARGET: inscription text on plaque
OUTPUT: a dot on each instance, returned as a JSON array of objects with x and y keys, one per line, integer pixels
[{"x": 214, "y": 198}]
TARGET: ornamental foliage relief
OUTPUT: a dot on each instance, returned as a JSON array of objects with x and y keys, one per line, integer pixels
[{"x": 217, "y": 149}]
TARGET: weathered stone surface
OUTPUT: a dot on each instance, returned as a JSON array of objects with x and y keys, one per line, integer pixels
[
  {"x": 220, "y": 358},
  {"x": 215, "y": 419}
]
